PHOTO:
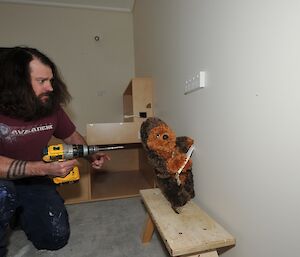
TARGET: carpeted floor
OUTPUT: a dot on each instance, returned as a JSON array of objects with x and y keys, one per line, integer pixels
[{"x": 99, "y": 229}]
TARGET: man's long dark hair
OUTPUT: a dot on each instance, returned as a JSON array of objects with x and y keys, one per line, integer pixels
[{"x": 17, "y": 97}]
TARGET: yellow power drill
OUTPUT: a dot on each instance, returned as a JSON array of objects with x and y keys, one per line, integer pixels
[{"x": 62, "y": 152}]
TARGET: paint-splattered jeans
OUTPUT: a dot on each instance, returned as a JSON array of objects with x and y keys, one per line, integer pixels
[{"x": 42, "y": 213}]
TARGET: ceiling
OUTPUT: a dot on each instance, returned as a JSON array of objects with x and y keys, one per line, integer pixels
[{"x": 113, "y": 5}]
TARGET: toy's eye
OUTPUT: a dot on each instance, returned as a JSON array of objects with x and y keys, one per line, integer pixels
[
  {"x": 165, "y": 136},
  {"x": 157, "y": 135}
]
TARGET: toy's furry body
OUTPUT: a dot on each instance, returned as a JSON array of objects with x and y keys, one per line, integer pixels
[{"x": 166, "y": 154}]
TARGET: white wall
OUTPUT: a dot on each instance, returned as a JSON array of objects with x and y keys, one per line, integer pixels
[
  {"x": 96, "y": 73},
  {"x": 246, "y": 122}
]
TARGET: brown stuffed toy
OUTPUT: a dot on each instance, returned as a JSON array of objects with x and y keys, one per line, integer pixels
[{"x": 167, "y": 154}]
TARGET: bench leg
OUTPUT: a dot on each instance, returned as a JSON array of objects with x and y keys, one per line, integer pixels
[
  {"x": 148, "y": 230},
  {"x": 206, "y": 254}
]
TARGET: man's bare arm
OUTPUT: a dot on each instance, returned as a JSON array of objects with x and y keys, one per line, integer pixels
[
  {"x": 15, "y": 169},
  {"x": 75, "y": 138}
]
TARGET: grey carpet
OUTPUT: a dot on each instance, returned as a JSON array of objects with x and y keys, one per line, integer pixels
[{"x": 99, "y": 229}]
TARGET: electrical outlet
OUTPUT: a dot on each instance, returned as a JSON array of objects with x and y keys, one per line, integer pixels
[{"x": 195, "y": 83}]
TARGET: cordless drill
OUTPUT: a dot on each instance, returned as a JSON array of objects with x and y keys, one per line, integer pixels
[{"x": 62, "y": 152}]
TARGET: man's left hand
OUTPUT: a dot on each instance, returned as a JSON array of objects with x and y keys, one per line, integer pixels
[{"x": 97, "y": 160}]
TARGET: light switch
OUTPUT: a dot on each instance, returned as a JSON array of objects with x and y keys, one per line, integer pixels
[{"x": 195, "y": 83}]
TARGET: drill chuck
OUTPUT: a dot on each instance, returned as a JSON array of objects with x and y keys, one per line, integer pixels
[{"x": 75, "y": 151}]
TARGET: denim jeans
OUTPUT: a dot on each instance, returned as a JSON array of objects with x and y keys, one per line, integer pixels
[{"x": 42, "y": 213}]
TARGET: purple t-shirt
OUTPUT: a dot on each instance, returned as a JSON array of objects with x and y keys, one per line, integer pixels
[{"x": 25, "y": 140}]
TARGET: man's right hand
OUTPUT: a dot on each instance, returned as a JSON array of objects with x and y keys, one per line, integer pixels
[{"x": 60, "y": 168}]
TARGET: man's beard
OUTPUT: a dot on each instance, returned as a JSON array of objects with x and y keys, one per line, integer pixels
[{"x": 43, "y": 108}]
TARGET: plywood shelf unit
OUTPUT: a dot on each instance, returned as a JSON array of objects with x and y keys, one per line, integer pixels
[
  {"x": 128, "y": 171},
  {"x": 137, "y": 100}
]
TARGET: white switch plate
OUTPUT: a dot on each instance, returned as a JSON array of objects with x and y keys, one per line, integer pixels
[{"x": 195, "y": 83}]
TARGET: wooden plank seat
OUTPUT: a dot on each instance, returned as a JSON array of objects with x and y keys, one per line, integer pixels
[{"x": 190, "y": 233}]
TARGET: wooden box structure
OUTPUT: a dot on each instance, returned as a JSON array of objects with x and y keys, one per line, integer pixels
[
  {"x": 128, "y": 171},
  {"x": 137, "y": 100}
]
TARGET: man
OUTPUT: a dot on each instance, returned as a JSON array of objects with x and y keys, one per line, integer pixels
[{"x": 31, "y": 95}]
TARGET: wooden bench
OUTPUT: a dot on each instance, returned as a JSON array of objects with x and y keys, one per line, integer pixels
[{"x": 190, "y": 233}]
